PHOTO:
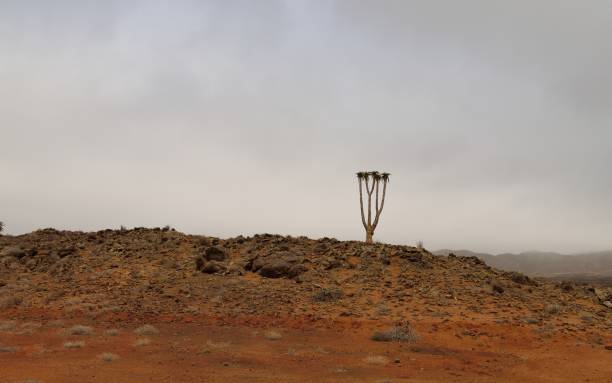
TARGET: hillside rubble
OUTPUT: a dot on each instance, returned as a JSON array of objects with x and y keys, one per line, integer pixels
[{"x": 161, "y": 271}]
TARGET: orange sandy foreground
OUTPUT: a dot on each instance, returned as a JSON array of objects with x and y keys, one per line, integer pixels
[{"x": 258, "y": 349}]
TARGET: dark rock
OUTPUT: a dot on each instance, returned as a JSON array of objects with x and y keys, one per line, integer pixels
[
  {"x": 66, "y": 251},
  {"x": 275, "y": 269},
  {"x": 497, "y": 287},
  {"x": 284, "y": 256},
  {"x": 13, "y": 251},
  {"x": 384, "y": 259},
  {"x": 212, "y": 267},
  {"x": 277, "y": 265},
  {"x": 215, "y": 253},
  {"x": 331, "y": 263},
  {"x": 566, "y": 286},
  {"x": 519, "y": 278}
]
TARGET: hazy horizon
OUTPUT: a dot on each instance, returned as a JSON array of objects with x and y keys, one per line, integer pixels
[{"x": 235, "y": 117}]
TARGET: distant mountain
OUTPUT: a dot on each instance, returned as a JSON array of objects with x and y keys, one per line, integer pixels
[{"x": 545, "y": 264}]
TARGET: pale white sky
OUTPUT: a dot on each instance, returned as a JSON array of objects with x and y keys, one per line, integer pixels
[{"x": 241, "y": 117}]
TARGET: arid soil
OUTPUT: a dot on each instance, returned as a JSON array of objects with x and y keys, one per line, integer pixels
[{"x": 283, "y": 309}]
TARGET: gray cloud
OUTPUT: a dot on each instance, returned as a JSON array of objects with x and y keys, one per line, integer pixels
[{"x": 239, "y": 117}]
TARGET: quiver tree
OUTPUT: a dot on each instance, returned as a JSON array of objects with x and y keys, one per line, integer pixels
[{"x": 372, "y": 185}]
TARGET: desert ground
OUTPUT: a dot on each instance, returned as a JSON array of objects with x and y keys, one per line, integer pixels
[{"x": 156, "y": 305}]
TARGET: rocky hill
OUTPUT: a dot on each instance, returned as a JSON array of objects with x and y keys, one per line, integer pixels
[
  {"x": 164, "y": 271},
  {"x": 339, "y": 311}
]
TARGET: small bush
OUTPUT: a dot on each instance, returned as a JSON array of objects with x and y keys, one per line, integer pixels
[
  {"x": 7, "y": 349},
  {"x": 78, "y": 344},
  {"x": 273, "y": 335},
  {"x": 58, "y": 323},
  {"x": 396, "y": 334},
  {"x": 1, "y": 227},
  {"x": 146, "y": 329},
  {"x": 553, "y": 309},
  {"x": 10, "y": 302},
  {"x": 519, "y": 278},
  {"x": 7, "y": 325},
  {"x": 328, "y": 295},
  {"x": 376, "y": 359},
  {"x": 108, "y": 357},
  {"x": 80, "y": 330},
  {"x": 111, "y": 332},
  {"x": 497, "y": 287},
  {"x": 142, "y": 342}
]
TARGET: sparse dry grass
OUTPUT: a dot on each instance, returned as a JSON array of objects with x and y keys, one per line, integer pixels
[
  {"x": 553, "y": 309},
  {"x": 273, "y": 335},
  {"x": 376, "y": 359},
  {"x": 328, "y": 295},
  {"x": 76, "y": 344},
  {"x": 10, "y": 302},
  {"x": 7, "y": 325},
  {"x": 142, "y": 342},
  {"x": 146, "y": 329},
  {"x": 396, "y": 334},
  {"x": 7, "y": 349},
  {"x": 56, "y": 323},
  {"x": 108, "y": 357},
  {"x": 80, "y": 330}
]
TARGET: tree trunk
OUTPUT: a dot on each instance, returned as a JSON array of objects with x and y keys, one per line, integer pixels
[{"x": 369, "y": 235}]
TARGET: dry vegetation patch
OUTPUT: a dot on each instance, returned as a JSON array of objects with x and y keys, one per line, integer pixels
[
  {"x": 146, "y": 329},
  {"x": 142, "y": 342},
  {"x": 405, "y": 333},
  {"x": 108, "y": 357},
  {"x": 376, "y": 359},
  {"x": 80, "y": 330},
  {"x": 111, "y": 332},
  {"x": 76, "y": 344},
  {"x": 273, "y": 335},
  {"x": 7, "y": 325}
]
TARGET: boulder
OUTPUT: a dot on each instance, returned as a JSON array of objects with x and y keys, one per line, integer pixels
[
  {"x": 13, "y": 251},
  {"x": 212, "y": 267},
  {"x": 215, "y": 253},
  {"x": 277, "y": 265}
]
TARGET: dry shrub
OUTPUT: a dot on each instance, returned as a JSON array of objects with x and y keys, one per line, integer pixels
[
  {"x": 273, "y": 335},
  {"x": 553, "y": 309},
  {"x": 146, "y": 329},
  {"x": 80, "y": 330},
  {"x": 77, "y": 344},
  {"x": 7, "y": 325},
  {"x": 108, "y": 357},
  {"x": 328, "y": 295},
  {"x": 111, "y": 332},
  {"x": 142, "y": 342},
  {"x": 404, "y": 333},
  {"x": 376, "y": 359}
]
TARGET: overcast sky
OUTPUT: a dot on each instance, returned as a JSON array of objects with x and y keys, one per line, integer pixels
[{"x": 242, "y": 117}]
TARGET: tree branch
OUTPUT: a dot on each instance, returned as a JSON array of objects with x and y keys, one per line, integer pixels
[
  {"x": 361, "y": 204},
  {"x": 382, "y": 205}
]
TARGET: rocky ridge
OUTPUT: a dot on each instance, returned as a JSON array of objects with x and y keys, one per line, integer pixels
[{"x": 161, "y": 271}]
